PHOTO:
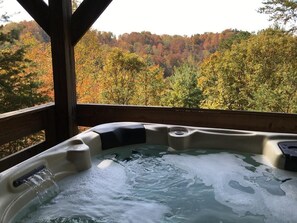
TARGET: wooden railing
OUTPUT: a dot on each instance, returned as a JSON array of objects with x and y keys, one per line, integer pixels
[
  {"x": 90, "y": 115},
  {"x": 25, "y": 122},
  {"x": 15, "y": 125}
]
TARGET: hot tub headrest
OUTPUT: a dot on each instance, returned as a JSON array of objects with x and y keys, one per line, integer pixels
[{"x": 120, "y": 134}]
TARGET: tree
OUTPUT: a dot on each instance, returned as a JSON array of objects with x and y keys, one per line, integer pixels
[
  {"x": 183, "y": 90},
  {"x": 256, "y": 74},
  {"x": 235, "y": 37},
  {"x": 38, "y": 50},
  {"x": 150, "y": 86},
  {"x": 89, "y": 60},
  {"x": 119, "y": 77},
  {"x": 275, "y": 69},
  {"x": 282, "y": 12},
  {"x": 18, "y": 87}
]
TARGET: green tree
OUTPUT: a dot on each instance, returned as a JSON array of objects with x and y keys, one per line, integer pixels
[
  {"x": 256, "y": 74},
  {"x": 183, "y": 90},
  {"x": 282, "y": 12},
  {"x": 236, "y": 37},
  {"x": 119, "y": 78}
]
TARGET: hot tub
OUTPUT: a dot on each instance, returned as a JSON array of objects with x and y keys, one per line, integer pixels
[{"x": 75, "y": 156}]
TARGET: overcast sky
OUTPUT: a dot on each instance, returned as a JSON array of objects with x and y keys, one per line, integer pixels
[{"x": 182, "y": 17}]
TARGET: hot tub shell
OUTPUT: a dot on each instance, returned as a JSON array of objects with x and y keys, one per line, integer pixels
[{"x": 74, "y": 155}]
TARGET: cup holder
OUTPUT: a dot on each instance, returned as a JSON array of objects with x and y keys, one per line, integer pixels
[{"x": 178, "y": 131}]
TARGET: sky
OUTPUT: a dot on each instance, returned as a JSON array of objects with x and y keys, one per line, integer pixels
[{"x": 173, "y": 17}]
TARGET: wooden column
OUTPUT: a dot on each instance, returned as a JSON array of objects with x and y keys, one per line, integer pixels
[
  {"x": 65, "y": 31},
  {"x": 63, "y": 68}
]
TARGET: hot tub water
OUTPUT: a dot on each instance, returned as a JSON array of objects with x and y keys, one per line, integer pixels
[{"x": 151, "y": 184}]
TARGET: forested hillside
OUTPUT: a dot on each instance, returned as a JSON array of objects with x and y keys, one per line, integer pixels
[{"x": 233, "y": 70}]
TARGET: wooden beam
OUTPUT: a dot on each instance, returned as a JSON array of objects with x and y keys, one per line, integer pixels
[
  {"x": 85, "y": 15},
  {"x": 63, "y": 68},
  {"x": 91, "y": 115},
  {"x": 39, "y": 11}
]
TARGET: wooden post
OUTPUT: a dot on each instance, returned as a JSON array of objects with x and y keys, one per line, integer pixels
[
  {"x": 63, "y": 68},
  {"x": 65, "y": 31}
]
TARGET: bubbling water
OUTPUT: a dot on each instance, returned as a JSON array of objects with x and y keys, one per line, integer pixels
[{"x": 149, "y": 184}]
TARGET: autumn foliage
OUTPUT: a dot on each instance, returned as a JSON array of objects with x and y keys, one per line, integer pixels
[{"x": 234, "y": 69}]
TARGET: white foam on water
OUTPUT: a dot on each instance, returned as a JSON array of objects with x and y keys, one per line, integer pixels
[
  {"x": 246, "y": 196},
  {"x": 144, "y": 212}
]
